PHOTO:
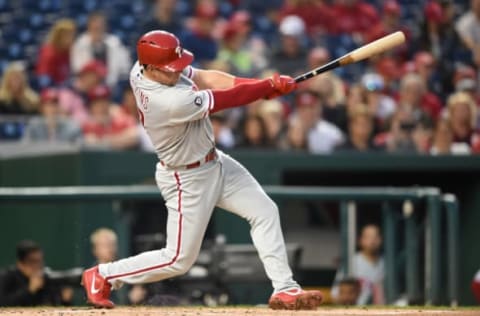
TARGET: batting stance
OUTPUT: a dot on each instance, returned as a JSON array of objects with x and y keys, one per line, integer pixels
[{"x": 174, "y": 101}]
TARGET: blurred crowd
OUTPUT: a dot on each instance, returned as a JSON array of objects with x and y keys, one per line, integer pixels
[{"x": 421, "y": 97}]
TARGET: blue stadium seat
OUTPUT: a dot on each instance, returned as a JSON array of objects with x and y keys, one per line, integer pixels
[
  {"x": 15, "y": 51},
  {"x": 91, "y": 5},
  {"x": 81, "y": 21},
  {"x": 121, "y": 34},
  {"x": 42, "y": 6},
  {"x": 3, "y": 65},
  {"x": 37, "y": 21},
  {"x": 11, "y": 130},
  {"x": 25, "y": 36},
  {"x": 183, "y": 8},
  {"x": 139, "y": 8},
  {"x": 128, "y": 22},
  {"x": 225, "y": 9},
  {"x": 42, "y": 82},
  {"x": 5, "y": 6}
]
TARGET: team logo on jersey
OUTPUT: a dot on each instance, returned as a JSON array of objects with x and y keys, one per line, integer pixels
[
  {"x": 179, "y": 51},
  {"x": 198, "y": 101}
]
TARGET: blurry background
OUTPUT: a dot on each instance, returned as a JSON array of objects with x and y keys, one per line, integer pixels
[{"x": 405, "y": 118}]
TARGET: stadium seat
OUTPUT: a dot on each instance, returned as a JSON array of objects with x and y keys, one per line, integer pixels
[
  {"x": 15, "y": 51},
  {"x": 127, "y": 22},
  {"x": 121, "y": 35},
  {"x": 5, "y": 6},
  {"x": 3, "y": 64},
  {"x": 43, "y": 6},
  {"x": 37, "y": 21},
  {"x": 139, "y": 8},
  {"x": 25, "y": 36},
  {"x": 42, "y": 82},
  {"x": 11, "y": 130}
]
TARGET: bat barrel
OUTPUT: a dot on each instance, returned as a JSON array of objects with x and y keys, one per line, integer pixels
[{"x": 361, "y": 53}]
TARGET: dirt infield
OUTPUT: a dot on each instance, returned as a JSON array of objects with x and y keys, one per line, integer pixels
[{"x": 248, "y": 311}]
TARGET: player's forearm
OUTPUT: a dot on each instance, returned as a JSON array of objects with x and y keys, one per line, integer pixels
[
  {"x": 241, "y": 94},
  {"x": 213, "y": 79}
]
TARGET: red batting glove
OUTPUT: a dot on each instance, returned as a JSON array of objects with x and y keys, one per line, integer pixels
[{"x": 282, "y": 85}]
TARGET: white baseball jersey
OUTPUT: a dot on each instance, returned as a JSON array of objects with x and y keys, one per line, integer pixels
[{"x": 175, "y": 118}]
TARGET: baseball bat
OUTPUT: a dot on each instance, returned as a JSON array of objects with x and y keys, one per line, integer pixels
[{"x": 382, "y": 44}]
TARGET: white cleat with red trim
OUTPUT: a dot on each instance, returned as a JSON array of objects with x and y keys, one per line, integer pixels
[
  {"x": 97, "y": 288},
  {"x": 296, "y": 299}
]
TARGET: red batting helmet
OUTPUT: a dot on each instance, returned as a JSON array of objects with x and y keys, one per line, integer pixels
[{"x": 162, "y": 50}]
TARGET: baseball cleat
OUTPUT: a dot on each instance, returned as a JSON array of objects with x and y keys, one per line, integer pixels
[
  {"x": 97, "y": 288},
  {"x": 296, "y": 299}
]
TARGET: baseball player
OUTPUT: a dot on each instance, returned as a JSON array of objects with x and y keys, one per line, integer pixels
[{"x": 174, "y": 102}]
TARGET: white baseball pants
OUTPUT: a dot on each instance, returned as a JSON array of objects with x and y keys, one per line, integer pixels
[{"x": 191, "y": 196}]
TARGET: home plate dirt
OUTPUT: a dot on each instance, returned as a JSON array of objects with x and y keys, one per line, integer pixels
[{"x": 247, "y": 311}]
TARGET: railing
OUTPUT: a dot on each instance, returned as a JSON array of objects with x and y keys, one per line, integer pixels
[{"x": 347, "y": 198}]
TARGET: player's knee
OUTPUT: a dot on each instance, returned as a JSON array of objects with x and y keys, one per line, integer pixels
[{"x": 183, "y": 264}]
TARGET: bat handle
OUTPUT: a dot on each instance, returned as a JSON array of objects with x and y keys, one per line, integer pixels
[
  {"x": 305, "y": 76},
  {"x": 324, "y": 68}
]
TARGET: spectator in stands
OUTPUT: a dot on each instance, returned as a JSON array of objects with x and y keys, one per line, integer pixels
[
  {"x": 273, "y": 116},
  {"x": 16, "y": 96},
  {"x": 389, "y": 69},
  {"x": 291, "y": 56},
  {"x": 97, "y": 44},
  {"x": 317, "y": 15},
  {"x": 422, "y": 135},
  {"x": 414, "y": 97},
  {"x": 368, "y": 267},
  {"x": 399, "y": 138},
  {"x": 355, "y": 17},
  {"x": 164, "y": 18},
  {"x": 355, "y": 96},
  {"x": 462, "y": 113},
  {"x": 252, "y": 42},
  {"x": 379, "y": 105},
  {"x": 107, "y": 127},
  {"x": 73, "y": 98},
  {"x": 254, "y": 133},
  {"x": 224, "y": 138},
  {"x": 468, "y": 28},
  {"x": 198, "y": 38},
  {"x": 348, "y": 291},
  {"x": 425, "y": 66},
  {"x": 390, "y": 22},
  {"x": 438, "y": 37},
  {"x": 104, "y": 245},
  {"x": 442, "y": 139},
  {"x": 296, "y": 135},
  {"x": 26, "y": 284},
  {"x": 234, "y": 52},
  {"x": 104, "y": 242},
  {"x": 330, "y": 88},
  {"x": 360, "y": 131},
  {"x": 476, "y": 286},
  {"x": 51, "y": 126},
  {"x": 322, "y": 136},
  {"x": 54, "y": 56},
  {"x": 465, "y": 80}
]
